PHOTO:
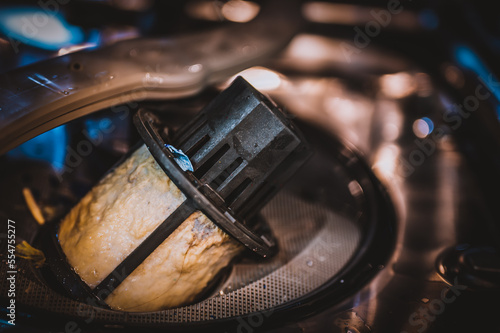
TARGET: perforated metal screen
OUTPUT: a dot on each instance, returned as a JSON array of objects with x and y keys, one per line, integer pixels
[{"x": 315, "y": 243}]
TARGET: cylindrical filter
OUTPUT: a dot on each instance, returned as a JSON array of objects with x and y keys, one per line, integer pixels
[
  {"x": 154, "y": 232},
  {"x": 118, "y": 214}
]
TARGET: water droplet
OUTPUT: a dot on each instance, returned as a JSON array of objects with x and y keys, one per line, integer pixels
[
  {"x": 309, "y": 263},
  {"x": 341, "y": 281},
  {"x": 65, "y": 92},
  {"x": 195, "y": 68}
]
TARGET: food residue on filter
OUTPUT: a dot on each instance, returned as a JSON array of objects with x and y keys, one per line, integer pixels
[
  {"x": 202, "y": 230},
  {"x": 26, "y": 251},
  {"x": 113, "y": 219}
]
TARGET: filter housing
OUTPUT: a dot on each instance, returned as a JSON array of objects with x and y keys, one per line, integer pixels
[{"x": 242, "y": 149}]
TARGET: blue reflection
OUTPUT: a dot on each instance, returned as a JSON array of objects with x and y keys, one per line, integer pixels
[
  {"x": 470, "y": 60},
  {"x": 93, "y": 130},
  {"x": 49, "y": 146},
  {"x": 26, "y": 58},
  {"x": 40, "y": 28},
  {"x": 430, "y": 124}
]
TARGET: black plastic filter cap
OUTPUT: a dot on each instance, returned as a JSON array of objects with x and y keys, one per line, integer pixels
[{"x": 242, "y": 149}]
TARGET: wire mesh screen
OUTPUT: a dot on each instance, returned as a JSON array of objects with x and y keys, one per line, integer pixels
[{"x": 314, "y": 244}]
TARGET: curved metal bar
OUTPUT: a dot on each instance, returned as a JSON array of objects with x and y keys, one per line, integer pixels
[{"x": 39, "y": 97}]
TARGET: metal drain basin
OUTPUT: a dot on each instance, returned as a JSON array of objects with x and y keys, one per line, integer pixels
[{"x": 332, "y": 222}]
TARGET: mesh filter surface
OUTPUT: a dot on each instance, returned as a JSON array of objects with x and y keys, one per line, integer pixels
[{"x": 315, "y": 243}]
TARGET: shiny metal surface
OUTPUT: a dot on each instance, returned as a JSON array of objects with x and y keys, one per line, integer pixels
[
  {"x": 41, "y": 96},
  {"x": 434, "y": 190}
]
